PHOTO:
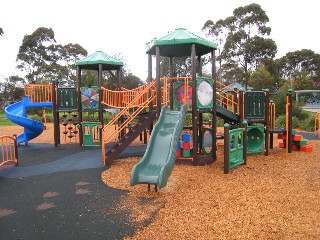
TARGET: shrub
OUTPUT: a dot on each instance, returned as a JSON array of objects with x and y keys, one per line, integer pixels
[{"x": 35, "y": 117}]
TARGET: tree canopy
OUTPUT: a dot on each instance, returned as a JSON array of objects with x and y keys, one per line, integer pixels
[
  {"x": 302, "y": 68},
  {"x": 42, "y": 59},
  {"x": 243, "y": 38}
]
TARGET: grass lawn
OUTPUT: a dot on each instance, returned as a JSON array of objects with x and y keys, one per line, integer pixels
[{"x": 4, "y": 121}]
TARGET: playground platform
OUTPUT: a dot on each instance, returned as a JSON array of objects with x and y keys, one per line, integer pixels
[{"x": 57, "y": 193}]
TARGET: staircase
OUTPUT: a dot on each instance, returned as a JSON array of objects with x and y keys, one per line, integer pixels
[
  {"x": 140, "y": 102},
  {"x": 144, "y": 122}
]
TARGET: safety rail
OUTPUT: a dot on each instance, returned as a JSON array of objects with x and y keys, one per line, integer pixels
[
  {"x": 227, "y": 97},
  {"x": 146, "y": 94},
  {"x": 38, "y": 92},
  {"x": 9, "y": 150},
  {"x": 123, "y": 97}
]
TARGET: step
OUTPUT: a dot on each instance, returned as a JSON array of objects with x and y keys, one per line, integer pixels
[
  {"x": 296, "y": 137},
  {"x": 306, "y": 148}
]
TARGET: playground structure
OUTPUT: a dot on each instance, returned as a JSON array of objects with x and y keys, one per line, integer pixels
[{"x": 140, "y": 107}]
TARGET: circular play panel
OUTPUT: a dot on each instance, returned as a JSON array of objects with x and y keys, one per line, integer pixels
[
  {"x": 255, "y": 136},
  {"x": 182, "y": 94},
  {"x": 90, "y": 98},
  {"x": 204, "y": 93}
]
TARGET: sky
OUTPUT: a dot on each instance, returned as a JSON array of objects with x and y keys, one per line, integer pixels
[{"x": 125, "y": 26}]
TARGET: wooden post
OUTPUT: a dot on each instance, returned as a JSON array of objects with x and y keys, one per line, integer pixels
[
  {"x": 244, "y": 125},
  {"x": 200, "y": 131},
  {"x": 55, "y": 112},
  {"x": 171, "y": 82},
  {"x": 194, "y": 104},
  {"x": 267, "y": 121},
  {"x": 214, "y": 110},
  {"x": 79, "y": 108},
  {"x": 199, "y": 66},
  {"x": 150, "y": 80},
  {"x": 100, "y": 105},
  {"x": 289, "y": 140},
  {"x": 226, "y": 148},
  {"x": 158, "y": 85},
  {"x": 241, "y": 104},
  {"x": 271, "y": 113}
]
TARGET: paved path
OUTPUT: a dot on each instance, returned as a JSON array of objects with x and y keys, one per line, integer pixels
[{"x": 57, "y": 193}]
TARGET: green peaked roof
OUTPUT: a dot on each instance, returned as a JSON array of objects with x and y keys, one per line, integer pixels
[
  {"x": 92, "y": 62},
  {"x": 178, "y": 44}
]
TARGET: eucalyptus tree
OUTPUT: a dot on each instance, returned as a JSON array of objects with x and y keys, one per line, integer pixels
[
  {"x": 68, "y": 55},
  {"x": 301, "y": 68},
  {"x": 41, "y": 59},
  {"x": 243, "y": 38},
  {"x": 37, "y": 55}
]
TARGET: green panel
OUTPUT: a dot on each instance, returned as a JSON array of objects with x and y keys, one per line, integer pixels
[
  {"x": 254, "y": 103},
  {"x": 181, "y": 96},
  {"x": 235, "y": 148},
  {"x": 255, "y": 136},
  {"x": 204, "y": 93},
  {"x": 91, "y": 133},
  {"x": 90, "y": 99},
  {"x": 67, "y": 98}
]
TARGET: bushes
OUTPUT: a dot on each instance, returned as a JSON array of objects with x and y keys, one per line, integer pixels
[{"x": 306, "y": 123}]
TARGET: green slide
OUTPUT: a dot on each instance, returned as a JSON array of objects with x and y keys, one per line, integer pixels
[{"x": 158, "y": 161}]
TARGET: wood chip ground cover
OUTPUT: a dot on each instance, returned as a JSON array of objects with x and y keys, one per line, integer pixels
[{"x": 273, "y": 197}]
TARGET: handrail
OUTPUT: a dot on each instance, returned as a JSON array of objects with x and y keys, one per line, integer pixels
[
  {"x": 9, "y": 150},
  {"x": 122, "y": 97},
  {"x": 148, "y": 95},
  {"x": 38, "y": 92}
]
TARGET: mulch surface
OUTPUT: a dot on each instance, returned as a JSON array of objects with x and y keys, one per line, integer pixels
[{"x": 272, "y": 197}]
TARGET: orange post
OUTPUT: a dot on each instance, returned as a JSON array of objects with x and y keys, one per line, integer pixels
[{"x": 317, "y": 124}]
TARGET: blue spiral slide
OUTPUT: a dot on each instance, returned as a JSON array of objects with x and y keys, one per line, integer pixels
[{"x": 17, "y": 113}]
